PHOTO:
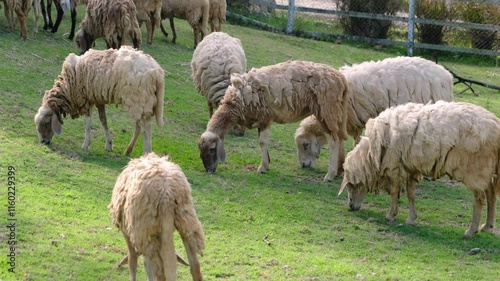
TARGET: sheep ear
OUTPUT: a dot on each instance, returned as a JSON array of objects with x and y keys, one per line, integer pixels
[
  {"x": 237, "y": 81},
  {"x": 56, "y": 124},
  {"x": 221, "y": 153},
  {"x": 343, "y": 185}
]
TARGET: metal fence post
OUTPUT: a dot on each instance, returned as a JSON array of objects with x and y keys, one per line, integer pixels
[
  {"x": 411, "y": 26},
  {"x": 291, "y": 15}
]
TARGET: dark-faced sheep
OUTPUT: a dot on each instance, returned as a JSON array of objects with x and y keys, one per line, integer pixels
[
  {"x": 125, "y": 76},
  {"x": 151, "y": 199},
  {"x": 283, "y": 93},
  {"x": 115, "y": 20},
  {"x": 373, "y": 87},
  {"x": 409, "y": 141},
  {"x": 195, "y": 12}
]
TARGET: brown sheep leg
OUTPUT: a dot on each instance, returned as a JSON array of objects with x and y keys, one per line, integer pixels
[
  {"x": 102, "y": 117},
  {"x": 9, "y": 14},
  {"x": 196, "y": 32},
  {"x": 411, "y": 187},
  {"x": 334, "y": 149},
  {"x": 394, "y": 202},
  {"x": 476, "y": 214},
  {"x": 172, "y": 27},
  {"x": 491, "y": 201},
  {"x": 264, "y": 133},
  {"x": 137, "y": 131},
  {"x": 132, "y": 259},
  {"x": 22, "y": 20},
  {"x": 341, "y": 158}
]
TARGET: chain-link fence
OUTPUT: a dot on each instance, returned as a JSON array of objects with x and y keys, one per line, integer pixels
[{"x": 467, "y": 26}]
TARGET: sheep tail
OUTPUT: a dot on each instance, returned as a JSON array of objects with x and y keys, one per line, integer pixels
[{"x": 160, "y": 93}]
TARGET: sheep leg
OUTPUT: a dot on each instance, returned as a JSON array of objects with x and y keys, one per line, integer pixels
[
  {"x": 172, "y": 27},
  {"x": 88, "y": 122},
  {"x": 60, "y": 14},
  {"x": 196, "y": 32},
  {"x": 391, "y": 217},
  {"x": 476, "y": 214},
  {"x": 264, "y": 133},
  {"x": 36, "y": 11},
  {"x": 334, "y": 154},
  {"x": 134, "y": 138},
  {"x": 411, "y": 187},
  {"x": 102, "y": 116},
  {"x": 46, "y": 14},
  {"x": 132, "y": 259},
  {"x": 9, "y": 15},
  {"x": 148, "y": 268},
  {"x": 147, "y": 134},
  {"x": 491, "y": 203},
  {"x": 163, "y": 30},
  {"x": 341, "y": 158},
  {"x": 73, "y": 23}
]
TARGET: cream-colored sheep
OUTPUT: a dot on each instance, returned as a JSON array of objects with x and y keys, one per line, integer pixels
[
  {"x": 22, "y": 8},
  {"x": 375, "y": 86},
  {"x": 214, "y": 60},
  {"x": 409, "y": 141},
  {"x": 196, "y": 12},
  {"x": 112, "y": 19},
  {"x": 125, "y": 76},
  {"x": 149, "y": 11},
  {"x": 217, "y": 14},
  {"x": 151, "y": 199},
  {"x": 282, "y": 93}
]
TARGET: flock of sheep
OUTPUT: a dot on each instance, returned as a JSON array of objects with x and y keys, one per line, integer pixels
[{"x": 405, "y": 106}]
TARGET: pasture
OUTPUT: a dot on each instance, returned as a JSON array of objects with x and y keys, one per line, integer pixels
[{"x": 63, "y": 230}]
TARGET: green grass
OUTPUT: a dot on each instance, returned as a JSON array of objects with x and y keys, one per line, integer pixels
[{"x": 64, "y": 230}]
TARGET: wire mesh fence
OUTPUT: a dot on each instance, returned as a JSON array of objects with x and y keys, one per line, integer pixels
[{"x": 467, "y": 26}]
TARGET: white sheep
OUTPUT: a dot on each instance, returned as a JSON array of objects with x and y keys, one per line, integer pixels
[
  {"x": 283, "y": 93},
  {"x": 214, "y": 60},
  {"x": 217, "y": 14},
  {"x": 21, "y": 8},
  {"x": 375, "y": 86},
  {"x": 195, "y": 12},
  {"x": 409, "y": 141},
  {"x": 151, "y": 199},
  {"x": 114, "y": 20},
  {"x": 125, "y": 76},
  {"x": 149, "y": 11}
]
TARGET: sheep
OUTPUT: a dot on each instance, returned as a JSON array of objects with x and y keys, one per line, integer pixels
[
  {"x": 196, "y": 12},
  {"x": 125, "y": 76},
  {"x": 409, "y": 141},
  {"x": 217, "y": 14},
  {"x": 283, "y": 93},
  {"x": 71, "y": 4},
  {"x": 152, "y": 198},
  {"x": 112, "y": 19},
  {"x": 214, "y": 60},
  {"x": 149, "y": 11},
  {"x": 21, "y": 8},
  {"x": 375, "y": 86}
]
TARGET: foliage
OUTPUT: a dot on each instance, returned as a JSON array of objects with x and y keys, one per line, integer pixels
[
  {"x": 431, "y": 9},
  {"x": 373, "y": 28},
  {"x": 485, "y": 14}
]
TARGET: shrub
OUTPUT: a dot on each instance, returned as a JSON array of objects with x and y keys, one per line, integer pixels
[
  {"x": 431, "y": 9},
  {"x": 484, "y": 14}
]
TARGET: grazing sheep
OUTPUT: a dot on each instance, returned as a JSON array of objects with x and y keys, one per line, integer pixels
[
  {"x": 375, "y": 86},
  {"x": 149, "y": 11},
  {"x": 409, "y": 141},
  {"x": 217, "y": 14},
  {"x": 151, "y": 199},
  {"x": 214, "y": 60},
  {"x": 283, "y": 93},
  {"x": 196, "y": 12},
  {"x": 112, "y": 19},
  {"x": 125, "y": 76},
  {"x": 21, "y": 8},
  {"x": 71, "y": 4}
]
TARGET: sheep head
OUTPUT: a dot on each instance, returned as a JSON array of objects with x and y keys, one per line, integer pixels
[
  {"x": 211, "y": 151},
  {"x": 308, "y": 149},
  {"x": 83, "y": 41},
  {"x": 47, "y": 123},
  {"x": 357, "y": 174}
]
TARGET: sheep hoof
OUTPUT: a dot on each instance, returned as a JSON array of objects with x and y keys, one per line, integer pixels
[
  {"x": 487, "y": 227},
  {"x": 469, "y": 234},
  {"x": 410, "y": 221},
  {"x": 390, "y": 218},
  {"x": 329, "y": 177},
  {"x": 261, "y": 170},
  {"x": 85, "y": 146},
  {"x": 109, "y": 147}
]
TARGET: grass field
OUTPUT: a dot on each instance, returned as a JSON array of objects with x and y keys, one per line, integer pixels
[{"x": 63, "y": 230}]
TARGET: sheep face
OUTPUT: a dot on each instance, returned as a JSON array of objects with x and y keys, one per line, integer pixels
[
  {"x": 211, "y": 151},
  {"x": 356, "y": 194},
  {"x": 308, "y": 149},
  {"x": 47, "y": 123}
]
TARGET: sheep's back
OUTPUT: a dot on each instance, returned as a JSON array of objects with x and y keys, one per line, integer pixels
[
  {"x": 216, "y": 57},
  {"x": 109, "y": 18},
  {"x": 458, "y": 139}
]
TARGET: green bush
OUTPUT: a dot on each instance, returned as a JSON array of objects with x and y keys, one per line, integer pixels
[
  {"x": 484, "y": 14},
  {"x": 373, "y": 28},
  {"x": 431, "y": 9}
]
